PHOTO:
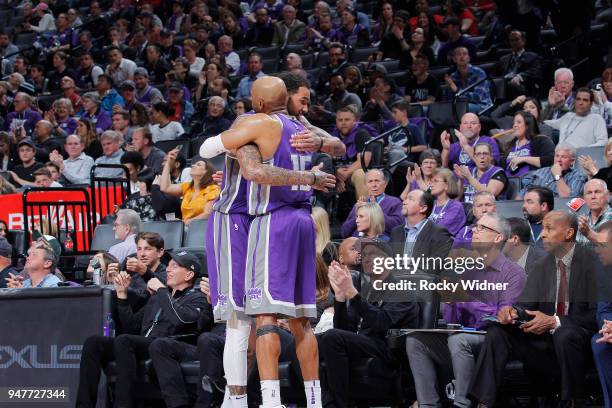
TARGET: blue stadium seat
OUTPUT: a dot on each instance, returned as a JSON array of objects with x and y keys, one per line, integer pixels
[
  {"x": 171, "y": 231},
  {"x": 195, "y": 234},
  {"x": 596, "y": 153},
  {"x": 510, "y": 208},
  {"x": 103, "y": 238}
]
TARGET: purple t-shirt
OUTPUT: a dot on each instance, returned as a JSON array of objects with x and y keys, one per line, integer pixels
[
  {"x": 456, "y": 155},
  {"x": 523, "y": 168},
  {"x": 450, "y": 215}
]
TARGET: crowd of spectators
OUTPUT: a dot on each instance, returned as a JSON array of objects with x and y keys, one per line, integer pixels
[{"x": 138, "y": 84}]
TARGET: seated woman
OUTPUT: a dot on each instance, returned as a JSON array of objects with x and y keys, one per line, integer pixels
[
  {"x": 447, "y": 211},
  {"x": 370, "y": 221},
  {"x": 503, "y": 116},
  {"x": 198, "y": 194},
  {"x": 484, "y": 176},
  {"x": 592, "y": 171},
  {"x": 530, "y": 151},
  {"x": 141, "y": 201},
  {"x": 109, "y": 266},
  {"x": 134, "y": 163},
  {"x": 419, "y": 177}
]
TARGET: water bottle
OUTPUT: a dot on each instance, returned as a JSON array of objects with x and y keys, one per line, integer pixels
[{"x": 109, "y": 326}]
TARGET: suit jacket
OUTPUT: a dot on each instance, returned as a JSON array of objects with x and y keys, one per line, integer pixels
[
  {"x": 433, "y": 241},
  {"x": 529, "y": 67},
  {"x": 541, "y": 289},
  {"x": 296, "y": 29},
  {"x": 533, "y": 256}
]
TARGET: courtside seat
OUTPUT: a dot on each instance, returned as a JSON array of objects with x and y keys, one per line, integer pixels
[{"x": 103, "y": 238}]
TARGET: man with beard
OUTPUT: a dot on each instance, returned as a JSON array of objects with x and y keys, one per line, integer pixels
[
  {"x": 145, "y": 93},
  {"x": 537, "y": 202}
]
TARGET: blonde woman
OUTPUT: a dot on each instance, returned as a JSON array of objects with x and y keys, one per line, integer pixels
[
  {"x": 370, "y": 222},
  {"x": 447, "y": 211},
  {"x": 590, "y": 166},
  {"x": 324, "y": 246}
]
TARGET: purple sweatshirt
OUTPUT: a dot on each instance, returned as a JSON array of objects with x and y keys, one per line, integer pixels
[
  {"x": 450, "y": 215},
  {"x": 392, "y": 209}
]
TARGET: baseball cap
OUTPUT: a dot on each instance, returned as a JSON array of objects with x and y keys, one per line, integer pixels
[
  {"x": 49, "y": 239},
  {"x": 141, "y": 72},
  {"x": 175, "y": 86},
  {"x": 27, "y": 142},
  {"x": 187, "y": 260},
  {"x": 41, "y": 6},
  {"x": 6, "y": 249},
  {"x": 128, "y": 84},
  {"x": 92, "y": 96}
]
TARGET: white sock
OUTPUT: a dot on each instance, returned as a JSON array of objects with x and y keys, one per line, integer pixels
[
  {"x": 270, "y": 393},
  {"x": 313, "y": 393},
  {"x": 239, "y": 401}
]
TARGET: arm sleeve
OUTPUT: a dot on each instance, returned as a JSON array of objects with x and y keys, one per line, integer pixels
[{"x": 544, "y": 148}]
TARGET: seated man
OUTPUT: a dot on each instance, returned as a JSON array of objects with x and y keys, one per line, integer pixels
[
  {"x": 170, "y": 310},
  {"x": 39, "y": 266},
  {"x": 360, "y": 325},
  {"x": 376, "y": 183},
  {"x": 518, "y": 247},
  {"x": 550, "y": 328},
  {"x": 461, "y": 152},
  {"x": 521, "y": 69},
  {"x": 111, "y": 146},
  {"x": 561, "y": 178},
  {"x": 6, "y": 267},
  {"x": 596, "y": 196},
  {"x": 126, "y": 226},
  {"x": 408, "y": 140},
  {"x": 484, "y": 203},
  {"x": 454, "y": 356},
  {"x": 466, "y": 75},
  {"x": 147, "y": 264}
]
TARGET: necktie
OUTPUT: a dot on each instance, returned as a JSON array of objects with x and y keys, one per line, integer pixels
[
  {"x": 562, "y": 290},
  {"x": 513, "y": 63}
]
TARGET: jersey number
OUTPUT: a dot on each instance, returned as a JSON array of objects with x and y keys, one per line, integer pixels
[{"x": 299, "y": 164}]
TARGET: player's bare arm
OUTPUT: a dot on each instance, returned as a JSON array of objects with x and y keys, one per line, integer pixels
[
  {"x": 317, "y": 141},
  {"x": 254, "y": 170}
]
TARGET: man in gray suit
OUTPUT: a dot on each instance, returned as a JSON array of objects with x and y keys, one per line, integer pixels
[{"x": 289, "y": 30}]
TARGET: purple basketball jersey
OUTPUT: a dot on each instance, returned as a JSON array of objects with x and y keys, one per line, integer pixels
[{"x": 261, "y": 198}]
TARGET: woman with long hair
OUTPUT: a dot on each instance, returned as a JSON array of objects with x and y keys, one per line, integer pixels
[
  {"x": 503, "y": 116},
  {"x": 447, "y": 211},
  {"x": 384, "y": 23},
  {"x": 323, "y": 243},
  {"x": 370, "y": 221},
  {"x": 418, "y": 45},
  {"x": 531, "y": 151},
  {"x": 86, "y": 130},
  {"x": 198, "y": 194},
  {"x": 211, "y": 71}
]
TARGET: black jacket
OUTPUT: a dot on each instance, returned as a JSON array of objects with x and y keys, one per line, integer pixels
[
  {"x": 164, "y": 315},
  {"x": 529, "y": 67}
]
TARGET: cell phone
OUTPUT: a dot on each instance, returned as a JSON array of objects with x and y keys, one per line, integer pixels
[{"x": 179, "y": 148}]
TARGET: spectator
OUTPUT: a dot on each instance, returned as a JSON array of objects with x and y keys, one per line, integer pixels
[
  {"x": 6, "y": 268},
  {"x": 432, "y": 353},
  {"x": 408, "y": 141},
  {"x": 119, "y": 68},
  {"x": 182, "y": 307},
  {"x": 141, "y": 201},
  {"x": 537, "y": 202},
  {"x": 383, "y": 95},
  {"x": 46, "y": 21},
  {"x": 581, "y": 128},
  {"x": 109, "y": 98},
  {"x": 76, "y": 169},
  {"x": 199, "y": 194},
  {"x": 349, "y": 254},
  {"x": 466, "y": 75},
  {"x": 183, "y": 109},
  {"x": 351, "y": 33},
  {"x": 419, "y": 176},
  {"x": 521, "y": 69},
  {"x": 261, "y": 32},
  {"x": 370, "y": 222},
  {"x": 560, "y": 96},
  {"x": 196, "y": 64},
  {"x": 169, "y": 51},
  {"x": 590, "y": 166},
  {"x": 384, "y": 23},
  {"x": 483, "y": 203},
  {"x": 336, "y": 64},
  {"x": 242, "y": 106},
  {"x": 231, "y": 28},
  {"x": 293, "y": 62},
  {"x": 254, "y": 71},
  {"x": 354, "y": 81},
  {"x": 212, "y": 71},
  {"x": 214, "y": 121},
  {"x": 338, "y": 99},
  {"x": 8, "y": 50},
  {"x": 421, "y": 87},
  {"x": 456, "y": 9},
  {"x": 121, "y": 124},
  {"x": 503, "y": 115},
  {"x": 60, "y": 70},
  {"x": 531, "y": 150},
  {"x": 447, "y": 211},
  {"x": 69, "y": 91},
  {"x": 39, "y": 266},
  {"x": 452, "y": 27},
  {"x": 561, "y": 178},
  {"x": 86, "y": 46},
  {"x": 55, "y": 173},
  {"x": 320, "y": 38},
  {"x": 164, "y": 128},
  {"x": 362, "y": 18},
  {"x": 92, "y": 111},
  {"x": 6, "y": 152},
  {"x": 111, "y": 147},
  {"x": 325, "y": 247},
  {"x": 354, "y": 135},
  {"x": 596, "y": 196},
  {"x": 86, "y": 131},
  {"x": 556, "y": 309},
  {"x": 391, "y": 207},
  {"x": 22, "y": 116},
  {"x": 145, "y": 93},
  {"x": 128, "y": 93},
  {"x": 155, "y": 65},
  {"x": 603, "y": 98},
  {"x": 126, "y": 226},
  {"x": 226, "y": 49},
  {"x": 60, "y": 117},
  {"x": 134, "y": 163},
  {"x": 462, "y": 151},
  {"x": 43, "y": 178},
  {"x": 518, "y": 247},
  {"x": 483, "y": 177},
  {"x": 45, "y": 144},
  {"x": 23, "y": 174},
  {"x": 142, "y": 142},
  {"x": 88, "y": 72},
  {"x": 109, "y": 267},
  {"x": 290, "y": 30},
  {"x": 397, "y": 41}
]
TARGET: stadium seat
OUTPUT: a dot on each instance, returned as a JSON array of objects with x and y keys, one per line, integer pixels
[
  {"x": 171, "y": 231},
  {"x": 415, "y": 111},
  {"x": 167, "y": 145},
  {"x": 5, "y": 15},
  {"x": 103, "y": 238},
  {"x": 391, "y": 65},
  {"x": 195, "y": 234},
  {"x": 499, "y": 89},
  {"x": 195, "y": 145},
  {"x": 17, "y": 239},
  {"x": 218, "y": 162},
  {"x": 514, "y": 188},
  {"x": 322, "y": 59},
  {"x": 442, "y": 114},
  {"x": 596, "y": 153},
  {"x": 268, "y": 52},
  {"x": 362, "y": 54},
  {"x": 25, "y": 39},
  {"x": 510, "y": 208},
  {"x": 270, "y": 65},
  {"x": 307, "y": 61},
  {"x": 297, "y": 48}
]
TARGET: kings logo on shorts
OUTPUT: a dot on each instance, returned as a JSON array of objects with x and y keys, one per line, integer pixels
[{"x": 255, "y": 296}]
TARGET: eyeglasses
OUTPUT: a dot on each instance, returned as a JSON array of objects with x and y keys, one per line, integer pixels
[{"x": 481, "y": 228}]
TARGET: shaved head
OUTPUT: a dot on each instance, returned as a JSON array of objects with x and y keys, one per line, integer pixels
[{"x": 269, "y": 94}]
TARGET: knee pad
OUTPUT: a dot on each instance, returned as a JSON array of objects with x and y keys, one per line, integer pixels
[{"x": 235, "y": 351}]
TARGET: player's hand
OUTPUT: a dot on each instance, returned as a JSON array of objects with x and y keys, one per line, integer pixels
[
  {"x": 541, "y": 323},
  {"x": 323, "y": 181},
  {"x": 306, "y": 141}
]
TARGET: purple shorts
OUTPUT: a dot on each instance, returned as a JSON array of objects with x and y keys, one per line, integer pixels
[
  {"x": 226, "y": 241},
  {"x": 280, "y": 265}
]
